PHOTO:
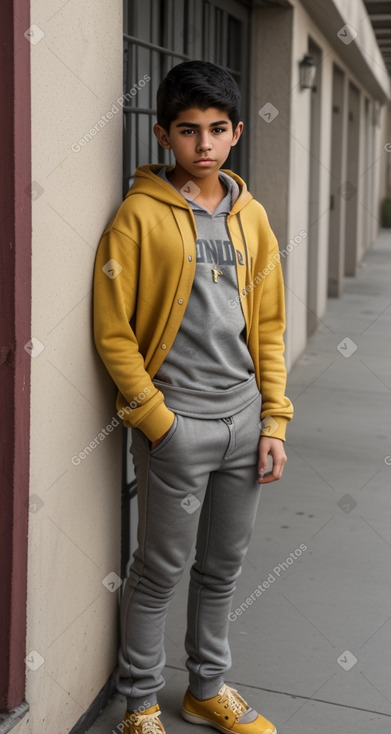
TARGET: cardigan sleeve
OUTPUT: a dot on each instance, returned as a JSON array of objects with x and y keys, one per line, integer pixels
[
  {"x": 277, "y": 409},
  {"x": 115, "y": 296}
]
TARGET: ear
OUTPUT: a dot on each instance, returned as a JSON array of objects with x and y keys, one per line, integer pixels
[
  {"x": 237, "y": 133},
  {"x": 162, "y": 136}
]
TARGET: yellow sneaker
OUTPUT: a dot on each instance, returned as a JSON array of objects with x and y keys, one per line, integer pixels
[
  {"x": 228, "y": 712},
  {"x": 146, "y": 722}
]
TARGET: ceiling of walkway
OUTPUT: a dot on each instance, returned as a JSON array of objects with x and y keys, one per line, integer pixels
[{"x": 379, "y": 12}]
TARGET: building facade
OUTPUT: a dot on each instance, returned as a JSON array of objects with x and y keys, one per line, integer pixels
[{"x": 317, "y": 158}]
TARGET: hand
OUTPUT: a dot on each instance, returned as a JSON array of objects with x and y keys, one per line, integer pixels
[
  {"x": 159, "y": 440},
  {"x": 275, "y": 447}
]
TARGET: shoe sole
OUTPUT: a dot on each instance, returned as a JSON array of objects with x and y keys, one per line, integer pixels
[{"x": 195, "y": 719}]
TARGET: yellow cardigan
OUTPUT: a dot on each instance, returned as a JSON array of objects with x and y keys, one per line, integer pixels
[{"x": 144, "y": 271}]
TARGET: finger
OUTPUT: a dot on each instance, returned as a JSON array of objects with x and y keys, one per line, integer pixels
[
  {"x": 275, "y": 475},
  {"x": 272, "y": 477},
  {"x": 262, "y": 461},
  {"x": 278, "y": 468},
  {"x": 267, "y": 479}
]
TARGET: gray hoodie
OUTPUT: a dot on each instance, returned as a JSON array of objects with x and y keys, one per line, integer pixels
[{"x": 209, "y": 358}]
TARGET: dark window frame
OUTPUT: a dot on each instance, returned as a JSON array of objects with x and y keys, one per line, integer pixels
[
  {"x": 15, "y": 329},
  {"x": 165, "y": 33},
  {"x": 160, "y": 34}
]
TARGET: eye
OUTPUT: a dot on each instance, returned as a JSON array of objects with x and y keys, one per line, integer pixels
[
  {"x": 219, "y": 129},
  {"x": 186, "y": 132}
]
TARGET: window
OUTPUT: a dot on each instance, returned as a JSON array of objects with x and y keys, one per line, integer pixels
[{"x": 158, "y": 34}]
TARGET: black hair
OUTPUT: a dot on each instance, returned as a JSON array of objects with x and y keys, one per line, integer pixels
[{"x": 197, "y": 84}]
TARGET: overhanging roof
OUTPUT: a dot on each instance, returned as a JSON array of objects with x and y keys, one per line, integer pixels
[
  {"x": 379, "y": 12},
  {"x": 362, "y": 56}
]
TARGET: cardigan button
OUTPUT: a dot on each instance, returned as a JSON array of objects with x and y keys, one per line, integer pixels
[
  {"x": 180, "y": 301},
  {"x": 243, "y": 292},
  {"x": 190, "y": 258},
  {"x": 164, "y": 346}
]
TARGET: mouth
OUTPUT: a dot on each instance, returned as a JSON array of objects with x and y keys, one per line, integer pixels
[{"x": 203, "y": 161}]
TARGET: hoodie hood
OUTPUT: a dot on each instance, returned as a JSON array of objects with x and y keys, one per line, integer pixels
[{"x": 147, "y": 182}]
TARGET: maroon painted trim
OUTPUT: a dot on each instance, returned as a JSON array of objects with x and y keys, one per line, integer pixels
[{"x": 15, "y": 325}]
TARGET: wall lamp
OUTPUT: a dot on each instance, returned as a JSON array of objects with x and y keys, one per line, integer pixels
[{"x": 307, "y": 68}]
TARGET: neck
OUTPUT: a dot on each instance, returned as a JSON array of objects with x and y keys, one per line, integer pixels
[{"x": 209, "y": 186}]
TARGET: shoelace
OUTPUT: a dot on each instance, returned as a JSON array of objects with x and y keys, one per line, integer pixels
[
  {"x": 235, "y": 701},
  {"x": 149, "y": 723}
]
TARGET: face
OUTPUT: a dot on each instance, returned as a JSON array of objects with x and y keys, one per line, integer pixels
[{"x": 200, "y": 140}]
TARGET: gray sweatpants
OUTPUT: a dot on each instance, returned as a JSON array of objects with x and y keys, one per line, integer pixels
[{"x": 199, "y": 482}]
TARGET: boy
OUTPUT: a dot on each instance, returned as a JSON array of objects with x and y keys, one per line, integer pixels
[{"x": 189, "y": 321}]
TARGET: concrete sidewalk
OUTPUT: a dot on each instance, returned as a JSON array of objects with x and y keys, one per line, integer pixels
[{"x": 312, "y": 653}]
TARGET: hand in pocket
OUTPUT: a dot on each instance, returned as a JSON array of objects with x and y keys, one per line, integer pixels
[{"x": 159, "y": 440}]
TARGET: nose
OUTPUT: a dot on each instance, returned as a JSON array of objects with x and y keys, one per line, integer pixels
[{"x": 203, "y": 143}]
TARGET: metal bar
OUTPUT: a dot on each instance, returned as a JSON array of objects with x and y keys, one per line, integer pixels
[
  {"x": 380, "y": 17},
  {"x": 125, "y": 506},
  {"x": 141, "y": 110},
  {"x": 155, "y": 47},
  {"x": 17, "y": 192},
  {"x": 131, "y": 489}
]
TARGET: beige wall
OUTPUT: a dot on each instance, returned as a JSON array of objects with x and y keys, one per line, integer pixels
[{"x": 74, "y": 536}]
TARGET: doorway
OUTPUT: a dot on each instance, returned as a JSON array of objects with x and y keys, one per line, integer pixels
[
  {"x": 336, "y": 259},
  {"x": 350, "y": 186},
  {"x": 314, "y": 182}
]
